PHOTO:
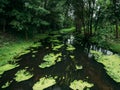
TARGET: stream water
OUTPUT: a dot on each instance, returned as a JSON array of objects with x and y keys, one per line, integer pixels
[{"x": 66, "y": 70}]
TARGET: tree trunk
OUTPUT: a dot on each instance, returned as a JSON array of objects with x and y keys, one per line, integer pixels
[
  {"x": 4, "y": 25},
  {"x": 116, "y": 30},
  {"x": 26, "y": 34}
]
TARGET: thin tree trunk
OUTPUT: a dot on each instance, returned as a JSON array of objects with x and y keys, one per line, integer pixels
[
  {"x": 26, "y": 35},
  {"x": 4, "y": 25},
  {"x": 116, "y": 29}
]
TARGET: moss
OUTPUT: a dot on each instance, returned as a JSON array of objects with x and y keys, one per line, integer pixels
[
  {"x": 22, "y": 75},
  {"x": 44, "y": 83},
  {"x": 6, "y": 68},
  {"x": 50, "y": 60},
  {"x": 70, "y": 48},
  {"x": 111, "y": 64},
  {"x": 80, "y": 85}
]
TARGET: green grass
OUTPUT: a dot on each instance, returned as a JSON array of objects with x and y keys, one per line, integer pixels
[
  {"x": 111, "y": 64},
  {"x": 18, "y": 47}
]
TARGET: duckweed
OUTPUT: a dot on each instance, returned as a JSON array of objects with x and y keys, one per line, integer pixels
[
  {"x": 22, "y": 75},
  {"x": 6, "y": 84},
  {"x": 57, "y": 47},
  {"x": 50, "y": 60},
  {"x": 7, "y": 67},
  {"x": 80, "y": 85},
  {"x": 70, "y": 48},
  {"x": 44, "y": 83}
]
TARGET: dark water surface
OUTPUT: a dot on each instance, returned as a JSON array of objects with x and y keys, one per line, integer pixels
[{"x": 91, "y": 71}]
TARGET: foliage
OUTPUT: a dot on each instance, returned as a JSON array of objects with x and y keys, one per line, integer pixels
[
  {"x": 22, "y": 75},
  {"x": 68, "y": 30},
  {"x": 44, "y": 83},
  {"x": 80, "y": 85},
  {"x": 114, "y": 46}
]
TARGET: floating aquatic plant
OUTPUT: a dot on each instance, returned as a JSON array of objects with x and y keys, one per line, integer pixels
[
  {"x": 7, "y": 67},
  {"x": 57, "y": 47},
  {"x": 70, "y": 48},
  {"x": 80, "y": 85},
  {"x": 22, "y": 75},
  {"x": 78, "y": 67},
  {"x": 6, "y": 84},
  {"x": 44, "y": 83},
  {"x": 50, "y": 60}
]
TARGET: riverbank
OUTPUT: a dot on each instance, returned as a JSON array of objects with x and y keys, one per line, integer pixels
[{"x": 11, "y": 46}]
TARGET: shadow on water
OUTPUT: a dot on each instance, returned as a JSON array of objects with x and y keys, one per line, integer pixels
[{"x": 65, "y": 70}]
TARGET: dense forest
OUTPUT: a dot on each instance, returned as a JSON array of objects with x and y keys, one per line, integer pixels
[{"x": 59, "y": 44}]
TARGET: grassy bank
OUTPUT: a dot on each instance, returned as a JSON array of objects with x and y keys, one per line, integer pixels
[
  {"x": 12, "y": 47},
  {"x": 111, "y": 64}
]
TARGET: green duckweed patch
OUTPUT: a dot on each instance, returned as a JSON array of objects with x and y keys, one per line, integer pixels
[
  {"x": 57, "y": 47},
  {"x": 72, "y": 57},
  {"x": 6, "y": 84},
  {"x": 22, "y": 75},
  {"x": 7, "y": 67},
  {"x": 80, "y": 85},
  {"x": 44, "y": 83},
  {"x": 70, "y": 48},
  {"x": 50, "y": 60},
  {"x": 111, "y": 65}
]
